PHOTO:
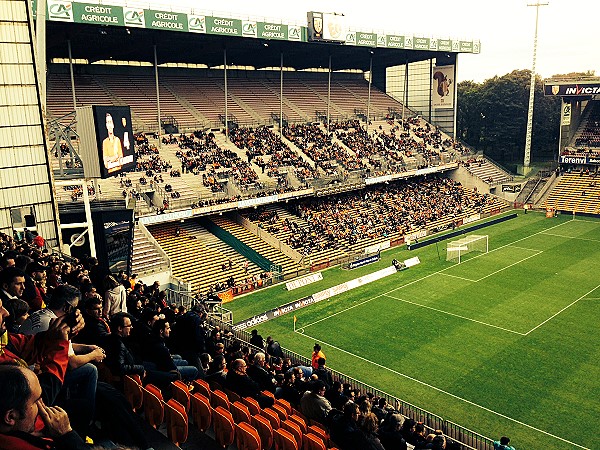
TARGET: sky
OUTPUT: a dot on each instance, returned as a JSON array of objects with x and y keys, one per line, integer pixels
[{"x": 567, "y": 42}]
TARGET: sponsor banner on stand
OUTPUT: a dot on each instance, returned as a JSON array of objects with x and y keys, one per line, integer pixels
[
  {"x": 196, "y": 24},
  {"x": 394, "y": 41},
  {"x": 421, "y": 43},
  {"x": 299, "y": 282},
  {"x": 249, "y": 28},
  {"x": 315, "y": 298},
  {"x": 366, "y": 39},
  {"x": 376, "y": 180},
  {"x": 377, "y": 247},
  {"x": 566, "y": 113},
  {"x": 473, "y": 218},
  {"x": 277, "y": 31},
  {"x": 165, "y": 20},
  {"x": 61, "y": 11},
  {"x": 98, "y": 14},
  {"x": 224, "y": 26},
  {"x": 257, "y": 201},
  {"x": 573, "y": 160},
  {"x": 169, "y": 217},
  {"x": 572, "y": 89},
  {"x": 445, "y": 45},
  {"x": 134, "y": 17},
  {"x": 364, "y": 261},
  {"x": 511, "y": 188}
]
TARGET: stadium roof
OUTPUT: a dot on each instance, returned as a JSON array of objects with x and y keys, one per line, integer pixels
[
  {"x": 128, "y": 33},
  {"x": 97, "y": 42}
]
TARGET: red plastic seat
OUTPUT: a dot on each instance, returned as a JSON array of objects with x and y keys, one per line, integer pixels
[
  {"x": 219, "y": 398},
  {"x": 252, "y": 405},
  {"x": 265, "y": 430},
  {"x": 300, "y": 421},
  {"x": 313, "y": 442},
  {"x": 202, "y": 387},
  {"x": 284, "y": 440},
  {"x": 201, "y": 411},
  {"x": 294, "y": 429},
  {"x": 224, "y": 427},
  {"x": 280, "y": 410},
  {"x": 132, "y": 388},
  {"x": 232, "y": 396},
  {"x": 272, "y": 417},
  {"x": 181, "y": 393},
  {"x": 285, "y": 404},
  {"x": 319, "y": 431},
  {"x": 240, "y": 412},
  {"x": 154, "y": 410},
  {"x": 247, "y": 438},
  {"x": 177, "y": 422}
]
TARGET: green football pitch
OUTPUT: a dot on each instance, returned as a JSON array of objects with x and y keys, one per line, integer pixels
[{"x": 505, "y": 343}]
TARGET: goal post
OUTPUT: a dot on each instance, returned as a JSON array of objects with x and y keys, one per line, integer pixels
[{"x": 471, "y": 243}]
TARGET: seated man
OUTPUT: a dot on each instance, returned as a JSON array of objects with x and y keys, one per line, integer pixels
[
  {"x": 313, "y": 403},
  {"x": 239, "y": 382},
  {"x": 96, "y": 327},
  {"x": 259, "y": 374},
  {"x": 20, "y": 404},
  {"x": 81, "y": 379},
  {"x": 158, "y": 355}
]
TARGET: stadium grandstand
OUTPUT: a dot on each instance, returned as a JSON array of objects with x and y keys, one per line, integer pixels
[{"x": 167, "y": 163}]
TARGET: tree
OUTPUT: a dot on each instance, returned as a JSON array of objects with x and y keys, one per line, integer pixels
[{"x": 492, "y": 116}]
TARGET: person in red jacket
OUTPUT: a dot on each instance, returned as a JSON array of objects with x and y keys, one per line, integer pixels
[{"x": 20, "y": 404}]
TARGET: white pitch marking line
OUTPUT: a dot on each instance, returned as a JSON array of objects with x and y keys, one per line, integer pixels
[
  {"x": 566, "y": 307},
  {"x": 572, "y": 237},
  {"x": 457, "y": 315},
  {"x": 509, "y": 266},
  {"x": 525, "y": 248},
  {"x": 456, "y": 276},
  {"x": 427, "y": 276},
  {"x": 408, "y": 377}
]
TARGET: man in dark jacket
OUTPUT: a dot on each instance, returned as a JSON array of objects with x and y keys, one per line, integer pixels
[
  {"x": 239, "y": 382},
  {"x": 189, "y": 335},
  {"x": 119, "y": 359},
  {"x": 96, "y": 328},
  {"x": 259, "y": 374},
  {"x": 157, "y": 353}
]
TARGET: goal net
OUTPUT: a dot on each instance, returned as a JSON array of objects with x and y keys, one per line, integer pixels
[{"x": 472, "y": 243}]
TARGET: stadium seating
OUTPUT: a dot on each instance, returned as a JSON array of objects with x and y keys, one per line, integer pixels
[
  {"x": 154, "y": 410},
  {"x": 177, "y": 421},
  {"x": 201, "y": 411},
  {"x": 224, "y": 427}
]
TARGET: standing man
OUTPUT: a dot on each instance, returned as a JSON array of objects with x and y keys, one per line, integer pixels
[{"x": 316, "y": 354}]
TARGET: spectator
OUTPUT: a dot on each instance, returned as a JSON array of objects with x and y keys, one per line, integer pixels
[
  {"x": 273, "y": 348},
  {"x": 389, "y": 432},
  {"x": 503, "y": 444},
  {"x": 345, "y": 431},
  {"x": 115, "y": 297},
  {"x": 19, "y": 312},
  {"x": 158, "y": 354},
  {"x": 370, "y": 427},
  {"x": 259, "y": 374},
  {"x": 257, "y": 340},
  {"x": 12, "y": 281},
  {"x": 96, "y": 328},
  {"x": 239, "y": 382},
  {"x": 313, "y": 403},
  {"x": 317, "y": 353},
  {"x": 323, "y": 373},
  {"x": 119, "y": 359},
  {"x": 20, "y": 404}
]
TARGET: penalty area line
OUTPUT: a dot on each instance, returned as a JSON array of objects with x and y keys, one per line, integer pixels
[
  {"x": 464, "y": 400},
  {"x": 457, "y": 315}
]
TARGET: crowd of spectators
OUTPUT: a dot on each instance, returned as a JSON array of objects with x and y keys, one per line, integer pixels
[
  {"x": 315, "y": 143},
  {"x": 271, "y": 153},
  {"x": 380, "y": 211}
]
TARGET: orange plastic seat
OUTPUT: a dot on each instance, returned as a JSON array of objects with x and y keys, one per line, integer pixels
[
  {"x": 224, "y": 427},
  {"x": 219, "y": 398},
  {"x": 246, "y": 436},
  {"x": 132, "y": 387},
  {"x": 313, "y": 442},
  {"x": 319, "y": 431},
  {"x": 202, "y": 387},
  {"x": 272, "y": 417},
  {"x": 268, "y": 394},
  {"x": 300, "y": 421},
  {"x": 294, "y": 429},
  {"x": 181, "y": 393},
  {"x": 284, "y": 440},
  {"x": 201, "y": 411},
  {"x": 232, "y": 396},
  {"x": 265, "y": 430},
  {"x": 252, "y": 405},
  {"x": 153, "y": 405},
  {"x": 240, "y": 412},
  {"x": 285, "y": 404},
  {"x": 281, "y": 412},
  {"x": 177, "y": 422}
]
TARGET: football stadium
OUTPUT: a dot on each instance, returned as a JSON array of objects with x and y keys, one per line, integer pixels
[{"x": 233, "y": 232}]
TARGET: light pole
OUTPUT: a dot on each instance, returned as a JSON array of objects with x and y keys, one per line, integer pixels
[{"x": 527, "y": 159}]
